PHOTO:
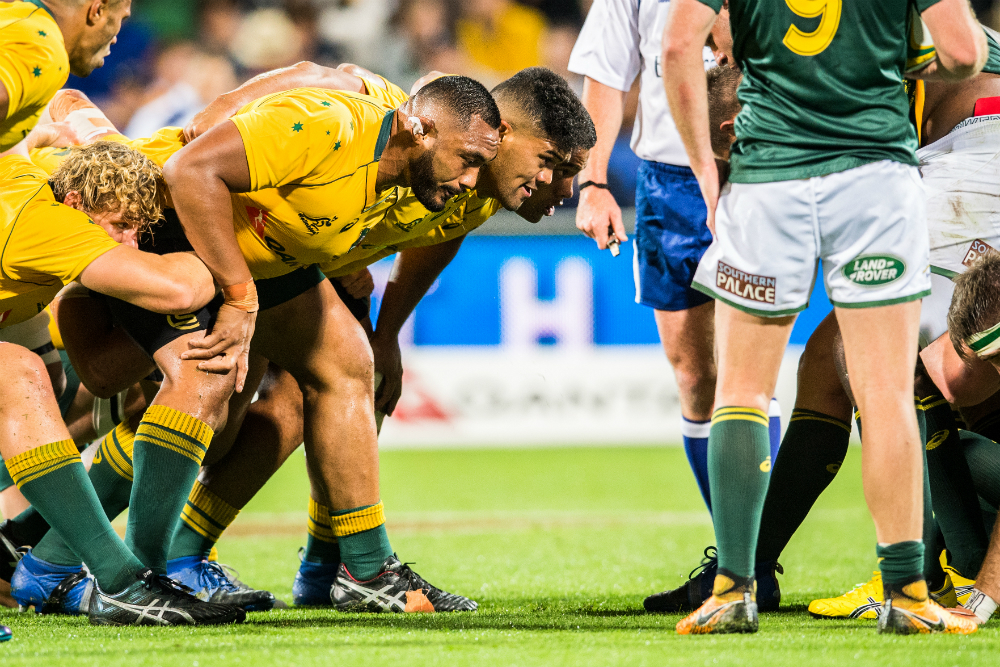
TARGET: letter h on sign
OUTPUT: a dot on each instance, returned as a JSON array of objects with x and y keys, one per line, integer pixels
[{"x": 524, "y": 318}]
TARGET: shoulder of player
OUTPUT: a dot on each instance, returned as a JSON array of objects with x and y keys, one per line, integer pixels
[
  {"x": 158, "y": 147},
  {"x": 30, "y": 30},
  {"x": 316, "y": 101}
]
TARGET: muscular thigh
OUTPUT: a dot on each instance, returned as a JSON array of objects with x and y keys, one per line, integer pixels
[{"x": 314, "y": 337}]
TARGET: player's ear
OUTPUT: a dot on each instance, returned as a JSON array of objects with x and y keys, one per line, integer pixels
[
  {"x": 728, "y": 126},
  {"x": 421, "y": 127},
  {"x": 505, "y": 128},
  {"x": 73, "y": 199},
  {"x": 95, "y": 10}
]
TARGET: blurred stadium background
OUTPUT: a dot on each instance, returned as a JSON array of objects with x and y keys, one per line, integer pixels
[{"x": 531, "y": 336}]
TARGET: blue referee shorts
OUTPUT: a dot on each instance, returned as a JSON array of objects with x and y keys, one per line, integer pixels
[{"x": 670, "y": 237}]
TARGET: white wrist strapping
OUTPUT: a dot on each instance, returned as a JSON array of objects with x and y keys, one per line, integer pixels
[{"x": 980, "y": 604}]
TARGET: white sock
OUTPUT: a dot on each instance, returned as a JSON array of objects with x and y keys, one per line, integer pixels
[{"x": 981, "y": 604}]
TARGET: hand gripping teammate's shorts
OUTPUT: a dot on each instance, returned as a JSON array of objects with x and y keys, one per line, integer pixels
[
  {"x": 670, "y": 237},
  {"x": 961, "y": 173},
  {"x": 867, "y": 224},
  {"x": 151, "y": 331}
]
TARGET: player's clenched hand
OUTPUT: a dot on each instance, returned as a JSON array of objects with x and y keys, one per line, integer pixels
[
  {"x": 597, "y": 213},
  {"x": 57, "y": 135},
  {"x": 359, "y": 284},
  {"x": 227, "y": 345},
  {"x": 388, "y": 362}
]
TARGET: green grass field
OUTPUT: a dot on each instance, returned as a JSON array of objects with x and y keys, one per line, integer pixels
[{"x": 559, "y": 546}]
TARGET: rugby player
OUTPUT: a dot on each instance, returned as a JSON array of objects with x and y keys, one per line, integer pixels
[
  {"x": 956, "y": 165},
  {"x": 973, "y": 320},
  {"x": 803, "y": 203},
  {"x": 52, "y": 239}
]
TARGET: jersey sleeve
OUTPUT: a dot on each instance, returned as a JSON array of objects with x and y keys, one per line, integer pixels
[
  {"x": 50, "y": 239},
  {"x": 290, "y": 138},
  {"x": 716, "y": 5},
  {"x": 385, "y": 91},
  {"x": 607, "y": 49},
  {"x": 922, "y": 5},
  {"x": 158, "y": 147}
]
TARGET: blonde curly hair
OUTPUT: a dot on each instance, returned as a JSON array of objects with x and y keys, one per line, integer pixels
[{"x": 111, "y": 177}]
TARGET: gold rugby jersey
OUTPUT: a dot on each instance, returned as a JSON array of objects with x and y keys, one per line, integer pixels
[
  {"x": 313, "y": 157},
  {"x": 407, "y": 224},
  {"x": 33, "y": 66},
  {"x": 43, "y": 244}
]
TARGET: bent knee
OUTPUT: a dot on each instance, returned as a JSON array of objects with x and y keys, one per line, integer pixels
[{"x": 21, "y": 364}]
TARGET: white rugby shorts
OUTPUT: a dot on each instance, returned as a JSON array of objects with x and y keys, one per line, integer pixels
[
  {"x": 866, "y": 224},
  {"x": 961, "y": 173}
]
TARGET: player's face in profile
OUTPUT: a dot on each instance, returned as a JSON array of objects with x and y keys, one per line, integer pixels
[
  {"x": 95, "y": 43},
  {"x": 524, "y": 163},
  {"x": 543, "y": 201},
  {"x": 125, "y": 232},
  {"x": 451, "y": 165}
]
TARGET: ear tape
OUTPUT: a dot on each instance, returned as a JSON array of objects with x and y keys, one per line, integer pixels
[{"x": 418, "y": 127}]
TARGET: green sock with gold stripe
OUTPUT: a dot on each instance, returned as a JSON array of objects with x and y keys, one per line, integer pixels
[
  {"x": 321, "y": 546},
  {"x": 738, "y": 469},
  {"x": 169, "y": 448},
  {"x": 54, "y": 481},
  {"x": 204, "y": 518},
  {"x": 810, "y": 456},
  {"x": 364, "y": 544},
  {"x": 111, "y": 475}
]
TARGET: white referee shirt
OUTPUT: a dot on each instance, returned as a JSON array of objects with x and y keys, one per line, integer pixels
[{"x": 619, "y": 41}]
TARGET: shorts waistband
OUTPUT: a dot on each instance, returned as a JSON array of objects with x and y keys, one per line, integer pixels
[
  {"x": 664, "y": 168},
  {"x": 275, "y": 291},
  {"x": 984, "y": 124}
]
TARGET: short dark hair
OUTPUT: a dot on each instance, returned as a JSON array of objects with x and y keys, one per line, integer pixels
[
  {"x": 722, "y": 103},
  {"x": 548, "y": 102},
  {"x": 975, "y": 305},
  {"x": 462, "y": 96}
]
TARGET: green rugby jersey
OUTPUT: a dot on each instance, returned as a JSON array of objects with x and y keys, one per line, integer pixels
[{"x": 822, "y": 86}]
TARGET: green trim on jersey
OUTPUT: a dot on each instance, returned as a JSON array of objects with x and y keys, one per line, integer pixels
[
  {"x": 820, "y": 93},
  {"x": 950, "y": 275},
  {"x": 885, "y": 302}
]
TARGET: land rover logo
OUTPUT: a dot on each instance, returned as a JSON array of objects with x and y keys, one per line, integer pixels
[{"x": 874, "y": 270}]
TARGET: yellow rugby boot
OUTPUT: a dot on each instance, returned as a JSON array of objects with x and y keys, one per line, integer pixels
[
  {"x": 911, "y": 612},
  {"x": 945, "y": 596},
  {"x": 963, "y": 587},
  {"x": 863, "y": 601},
  {"x": 728, "y": 610}
]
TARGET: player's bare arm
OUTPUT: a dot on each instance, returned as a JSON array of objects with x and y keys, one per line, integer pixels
[
  {"x": 201, "y": 177},
  {"x": 173, "y": 284},
  {"x": 958, "y": 39},
  {"x": 413, "y": 273},
  {"x": 688, "y": 27},
  {"x": 598, "y": 213}
]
